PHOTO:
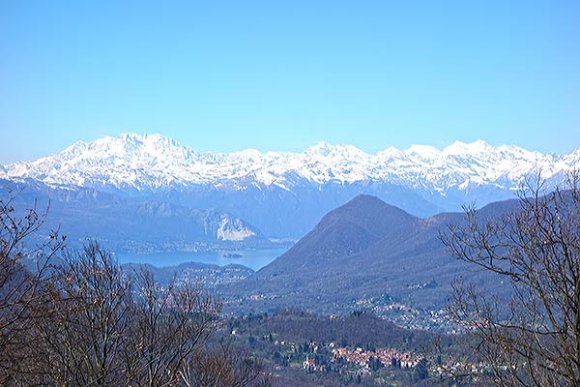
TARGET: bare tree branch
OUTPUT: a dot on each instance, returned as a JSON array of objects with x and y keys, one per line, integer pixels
[{"x": 533, "y": 339}]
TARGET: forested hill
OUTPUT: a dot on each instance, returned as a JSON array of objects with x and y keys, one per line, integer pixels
[{"x": 365, "y": 254}]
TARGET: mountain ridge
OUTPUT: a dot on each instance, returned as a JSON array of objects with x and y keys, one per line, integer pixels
[
  {"x": 284, "y": 194},
  {"x": 127, "y": 224},
  {"x": 155, "y": 161},
  {"x": 406, "y": 265}
]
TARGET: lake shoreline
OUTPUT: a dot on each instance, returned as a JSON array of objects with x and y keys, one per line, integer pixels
[{"x": 254, "y": 259}]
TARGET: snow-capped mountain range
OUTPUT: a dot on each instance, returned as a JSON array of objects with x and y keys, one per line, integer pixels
[
  {"x": 284, "y": 194},
  {"x": 154, "y": 161}
]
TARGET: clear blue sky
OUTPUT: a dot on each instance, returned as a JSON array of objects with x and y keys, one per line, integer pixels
[{"x": 283, "y": 75}]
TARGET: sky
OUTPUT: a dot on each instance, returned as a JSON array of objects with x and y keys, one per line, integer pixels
[{"x": 223, "y": 76}]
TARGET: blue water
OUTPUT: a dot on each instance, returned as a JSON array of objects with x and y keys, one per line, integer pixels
[{"x": 254, "y": 259}]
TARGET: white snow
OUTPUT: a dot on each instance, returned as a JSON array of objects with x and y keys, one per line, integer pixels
[{"x": 155, "y": 161}]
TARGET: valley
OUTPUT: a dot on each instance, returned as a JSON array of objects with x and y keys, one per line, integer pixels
[{"x": 284, "y": 243}]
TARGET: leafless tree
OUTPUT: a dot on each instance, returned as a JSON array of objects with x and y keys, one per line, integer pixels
[
  {"x": 531, "y": 337},
  {"x": 84, "y": 338},
  {"x": 23, "y": 294},
  {"x": 85, "y": 322},
  {"x": 111, "y": 328},
  {"x": 223, "y": 366},
  {"x": 168, "y": 326}
]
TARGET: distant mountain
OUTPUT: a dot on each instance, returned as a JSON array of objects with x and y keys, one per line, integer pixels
[
  {"x": 129, "y": 224},
  {"x": 153, "y": 161},
  {"x": 365, "y": 254},
  {"x": 284, "y": 194},
  {"x": 348, "y": 230}
]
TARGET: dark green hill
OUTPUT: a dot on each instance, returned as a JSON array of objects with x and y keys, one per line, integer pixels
[
  {"x": 365, "y": 254},
  {"x": 347, "y": 230}
]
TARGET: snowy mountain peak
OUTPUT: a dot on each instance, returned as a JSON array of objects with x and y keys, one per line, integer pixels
[
  {"x": 423, "y": 150},
  {"x": 250, "y": 153},
  {"x": 153, "y": 161},
  {"x": 462, "y": 148},
  {"x": 426, "y": 153},
  {"x": 324, "y": 149}
]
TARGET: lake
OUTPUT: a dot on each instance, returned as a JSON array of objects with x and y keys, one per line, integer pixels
[{"x": 254, "y": 259}]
